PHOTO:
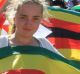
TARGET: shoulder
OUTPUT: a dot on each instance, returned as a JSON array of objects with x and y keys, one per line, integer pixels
[
  {"x": 45, "y": 43},
  {"x": 3, "y": 41}
]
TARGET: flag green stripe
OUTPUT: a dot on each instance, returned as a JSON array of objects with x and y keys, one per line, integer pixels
[
  {"x": 8, "y": 51},
  {"x": 64, "y": 11}
]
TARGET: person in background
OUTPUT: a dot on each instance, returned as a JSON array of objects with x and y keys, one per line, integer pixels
[
  {"x": 71, "y": 3},
  {"x": 57, "y": 3},
  {"x": 78, "y": 2},
  {"x": 76, "y": 6}
]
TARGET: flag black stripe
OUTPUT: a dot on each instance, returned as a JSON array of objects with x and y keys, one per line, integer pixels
[{"x": 63, "y": 33}]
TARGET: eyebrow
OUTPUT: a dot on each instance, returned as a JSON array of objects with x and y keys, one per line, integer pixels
[
  {"x": 26, "y": 15},
  {"x": 23, "y": 15}
]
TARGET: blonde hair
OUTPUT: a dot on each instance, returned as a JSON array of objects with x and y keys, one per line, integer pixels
[
  {"x": 15, "y": 4},
  {"x": 37, "y": 2}
]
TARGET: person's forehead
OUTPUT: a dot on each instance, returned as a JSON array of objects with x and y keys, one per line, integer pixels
[
  {"x": 28, "y": 7},
  {"x": 29, "y": 10},
  {"x": 33, "y": 5}
]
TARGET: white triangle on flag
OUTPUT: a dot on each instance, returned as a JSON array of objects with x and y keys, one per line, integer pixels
[{"x": 3, "y": 32}]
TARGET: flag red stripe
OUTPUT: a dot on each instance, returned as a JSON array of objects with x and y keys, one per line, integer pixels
[
  {"x": 2, "y": 2},
  {"x": 24, "y": 71},
  {"x": 65, "y": 43},
  {"x": 6, "y": 28},
  {"x": 62, "y": 24},
  {"x": 46, "y": 23},
  {"x": 2, "y": 19}
]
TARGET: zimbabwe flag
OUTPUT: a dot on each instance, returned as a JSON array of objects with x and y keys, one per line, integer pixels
[
  {"x": 65, "y": 25},
  {"x": 4, "y": 24},
  {"x": 35, "y": 60}
]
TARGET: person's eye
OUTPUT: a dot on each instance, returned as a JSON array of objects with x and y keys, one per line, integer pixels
[
  {"x": 35, "y": 19},
  {"x": 21, "y": 17}
]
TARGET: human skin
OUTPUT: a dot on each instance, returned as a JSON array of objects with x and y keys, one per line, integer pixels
[{"x": 27, "y": 20}]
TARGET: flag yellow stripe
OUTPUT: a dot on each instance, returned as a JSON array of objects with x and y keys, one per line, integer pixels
[
  {"x": 73, "y": 54},
  {"x": 39, "y": 62},
  {"x": 64, "y": 16}
]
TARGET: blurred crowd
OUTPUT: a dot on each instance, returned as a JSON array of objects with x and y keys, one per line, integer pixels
[{"x": 66, "y": 4}]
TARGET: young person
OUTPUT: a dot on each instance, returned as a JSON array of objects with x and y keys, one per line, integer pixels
[{"x": 27, "y": 20}]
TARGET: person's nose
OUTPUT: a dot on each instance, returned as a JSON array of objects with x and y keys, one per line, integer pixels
[{"x": 28, "y": 22}]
